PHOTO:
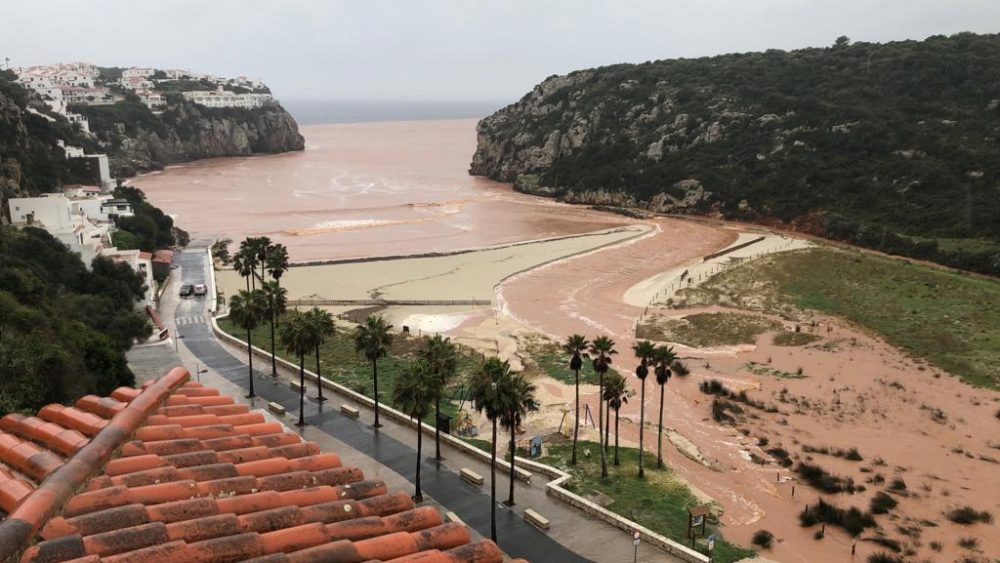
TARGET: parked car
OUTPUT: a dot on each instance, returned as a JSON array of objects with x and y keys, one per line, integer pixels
[
  {"x": 187, "y": 289},
  {"x": 200, "y": 289}
]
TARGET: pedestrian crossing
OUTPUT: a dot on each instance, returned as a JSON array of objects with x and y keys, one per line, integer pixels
[{"x": 193, "y": 319}]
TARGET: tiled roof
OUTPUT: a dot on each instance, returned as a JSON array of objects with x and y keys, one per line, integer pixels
[{"x": 175, "y": 472}]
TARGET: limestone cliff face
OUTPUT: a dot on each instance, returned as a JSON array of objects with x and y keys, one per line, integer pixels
[{"x": 185, "y": 132}]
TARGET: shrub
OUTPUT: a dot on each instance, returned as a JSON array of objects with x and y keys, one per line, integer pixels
[
  {"x": 853, "y": 520},
  {"x": 882, "y": 503},
  {"x": 936, "y": 546},
  {"x": 967, "y": 515},
  {"x": 721, "y": 409},
  {"x": 762, "y": 441},
  {"x": 884, "y": 558},
  {"x": 853, "y": 455},
  {"x": 886, "y": 542},
  {"x": 968, "y": 543},
  {"x": 680, "y": 368},
  {"x": 824, "y": 480},
  {"x": 763, "y": 538},
  {"x": 897, "y": 484}
]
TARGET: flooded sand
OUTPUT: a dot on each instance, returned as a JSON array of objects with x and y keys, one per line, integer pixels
[{"x": 362, "y": 190}]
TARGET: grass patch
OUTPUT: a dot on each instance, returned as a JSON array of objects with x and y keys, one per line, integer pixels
[
  {"x": 944, "y": 317},
  {"x": 549, "y": 358},
  {"x": 659, "y": 502},
  {"x": 792, "y": 338},
  {"x": 706, "y": 329},
  {"x": 339, "y": 363},
  {"x": 758, "y": 368}
]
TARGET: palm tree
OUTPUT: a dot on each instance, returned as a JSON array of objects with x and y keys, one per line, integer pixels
[
  {"x": 244, "y": 264},
  {"x": 414, "y": 392},
  {"x": 276, "y": 298},
  {"x": 249, "y": 249},
  {"x": 617, "y": 393},
  {"x": 276, "y": 261},
  {"x": 518, "y": 400},
  {"x": 442, "y": 357},
  {"x": 373, "y": 339},
  {"x": 664, "y": 358},
  {"x": 325, "y": 327},
  {"x": 247, "y": 310},
  {"x": 644, "y": 350},
  {"x": 575, "y": 345},
  {"x": 299, "y": 337},
  {"x": 261, "y": 246},
  {"x": 602, "y": 348},
  {"x": 485, "y": 392}
]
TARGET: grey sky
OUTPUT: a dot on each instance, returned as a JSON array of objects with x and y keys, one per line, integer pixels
[{"x": 446, "y": 50}]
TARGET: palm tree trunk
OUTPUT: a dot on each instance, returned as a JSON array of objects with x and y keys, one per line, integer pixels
[
  {"x": 302, "y": 390},
  {"x": 659, "y": 435},
  {"x": 248, "y": 284},
  {"x": 375, "y": 376},
  {"x": 576, "y": 425},
  {"x": 250, "y": 361},
  {"x": 607, "y": 425},
  {"x": 274, "y": 361},
  {"x": 319, "y": 378},
  {"x": 642, "y": 425},
  {"x": 437, "y": 429},
  {"x": 419, "y": 497},
  {"x": 513, "y": 452},
  {"x": 617, "y": 413},
  {"x": 600, "y": 423},
  {"x": 493, "y": 485}
]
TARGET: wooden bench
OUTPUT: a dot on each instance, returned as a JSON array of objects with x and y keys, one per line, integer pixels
[
  {"x": 348, "y": 410},
  {"x": 471, "y": 476},
  {"x": 536, "y": 519},
  {"x": 294, "y": 384},
  {"x": 276, "y": 408}
]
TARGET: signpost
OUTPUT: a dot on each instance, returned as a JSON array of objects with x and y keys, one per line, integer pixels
[{"x": 635, "y": 544}]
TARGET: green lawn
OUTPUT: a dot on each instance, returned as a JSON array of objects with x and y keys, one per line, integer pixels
[
  {"x": 549, "y": 358},
  {"x": 659, "y": 502},
  {"x": 950, "y": 319},
  {"x": 342, "y": 365},
  {"x": 706, "y": 329}
]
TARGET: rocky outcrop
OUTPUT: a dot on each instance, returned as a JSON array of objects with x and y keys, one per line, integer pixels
[{"x": 190, "y": 132}]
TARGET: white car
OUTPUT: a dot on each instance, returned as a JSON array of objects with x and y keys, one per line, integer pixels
[{"x": 200, "y": 289}]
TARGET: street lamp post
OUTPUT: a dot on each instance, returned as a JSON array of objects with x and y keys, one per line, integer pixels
[{"x": 176, "y": 338}]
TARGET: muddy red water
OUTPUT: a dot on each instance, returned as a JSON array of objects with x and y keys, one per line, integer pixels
[{"x": 362, "y": 189}]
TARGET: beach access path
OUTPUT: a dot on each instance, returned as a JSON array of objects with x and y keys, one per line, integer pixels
[{"x": 390, "y": 453}]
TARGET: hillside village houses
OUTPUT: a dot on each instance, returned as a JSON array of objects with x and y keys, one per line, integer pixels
[{"x": 64, "y": 84}]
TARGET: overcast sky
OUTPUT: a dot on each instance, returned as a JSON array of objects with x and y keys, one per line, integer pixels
[{"x": 446, "y": 50}]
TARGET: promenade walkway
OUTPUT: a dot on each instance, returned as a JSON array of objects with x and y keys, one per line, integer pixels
[{"x": 390, "y": 452}]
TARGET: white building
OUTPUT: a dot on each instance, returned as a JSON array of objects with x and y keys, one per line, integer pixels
[
  {"x": 141, "y": 262},
  {"x": 97, "y": 96},
  {"x": 64, "y": 219},
  {"x": 136, "y": 83},
  {"x": 153, "y": 100},
  {"x": 138, "y": 72},
  {"x": 80, "y": 120},
  {"x": 225, "y": 99}
]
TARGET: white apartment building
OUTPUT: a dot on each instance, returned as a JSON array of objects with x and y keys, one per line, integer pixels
[
  {"x": 136, "y": 83},
  {"x": 97, "y": 96},
  {"x": 225, "y": 99},
  {"x": 153, "y": 100}
]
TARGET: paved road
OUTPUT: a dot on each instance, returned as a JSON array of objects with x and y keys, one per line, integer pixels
[{"x": 516, "y": 537}]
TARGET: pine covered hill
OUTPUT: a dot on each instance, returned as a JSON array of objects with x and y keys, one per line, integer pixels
[{"x": 890, "y": 146}]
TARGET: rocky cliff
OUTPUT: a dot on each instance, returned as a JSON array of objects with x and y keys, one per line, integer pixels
[
  {"x": 892, "y": 146},
  {"x": 137, "y": 140}
]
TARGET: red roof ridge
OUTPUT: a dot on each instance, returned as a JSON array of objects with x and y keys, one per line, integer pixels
[{"x": 58, "y": 486}]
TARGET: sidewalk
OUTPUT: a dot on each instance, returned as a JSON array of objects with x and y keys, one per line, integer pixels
[{"x": 390, "y": 453}]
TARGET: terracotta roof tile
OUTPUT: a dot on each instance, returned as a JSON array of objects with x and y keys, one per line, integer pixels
[{"x": 198, "y": 478}]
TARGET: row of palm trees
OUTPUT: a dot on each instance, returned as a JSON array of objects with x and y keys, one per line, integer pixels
[
  {"x": 271, "y": 259},
  {"x": 504, "y": 396},
  {"x": 613, "y": 390}
]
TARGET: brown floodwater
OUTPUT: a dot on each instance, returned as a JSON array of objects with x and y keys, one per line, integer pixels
[{"x": 360, "y": 190}]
